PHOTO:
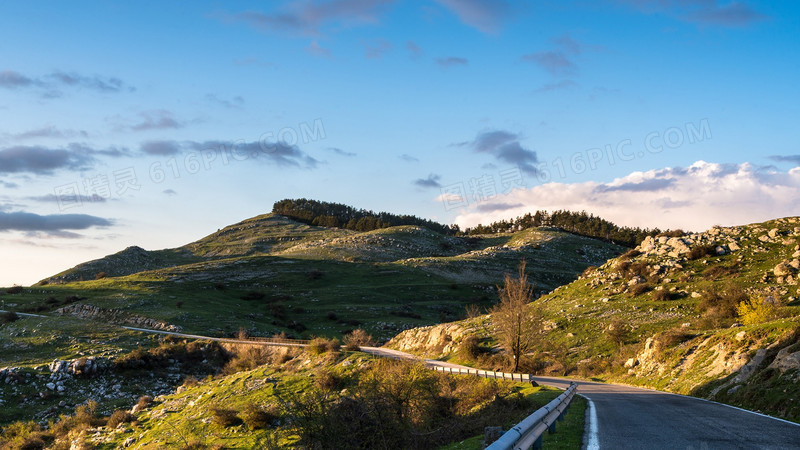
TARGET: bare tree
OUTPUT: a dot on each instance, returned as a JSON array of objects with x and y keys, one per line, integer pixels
[{"x": 516, "y": 321}]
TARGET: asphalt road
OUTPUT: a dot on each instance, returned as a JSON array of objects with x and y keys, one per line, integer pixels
[{"x": 628, "y": 417}]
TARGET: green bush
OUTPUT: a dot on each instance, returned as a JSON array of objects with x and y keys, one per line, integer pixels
[
  {"x": 119, "y": 416},
  {"x": 14, "y": 290},
  {"x": 9, "y": 316},
  {"x": 662, "y": 295},
  {"x": 259, "y": 417},
  {"x": 701, "y": 251},
  {"x": 357, "y": 338},
  {"x": 225, "y": 417},
  {"x": 319, "y": 345},
  {"x": 639, "y": 289}
]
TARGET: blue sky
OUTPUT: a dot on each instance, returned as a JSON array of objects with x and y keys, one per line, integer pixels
[{"x": 156, "y": 123}]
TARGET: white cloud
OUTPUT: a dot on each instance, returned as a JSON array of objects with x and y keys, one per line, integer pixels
[{"x": 693, "y": 198}]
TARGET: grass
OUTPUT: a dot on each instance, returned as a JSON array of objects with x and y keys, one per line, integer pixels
[
  {"x": 213, "y": 411},
  {"x": 270, "y": 275}
]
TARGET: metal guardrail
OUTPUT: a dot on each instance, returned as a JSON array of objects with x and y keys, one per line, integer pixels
[
  {"x": 528, "y": 433},
  {"x": 524, "y": 377}
]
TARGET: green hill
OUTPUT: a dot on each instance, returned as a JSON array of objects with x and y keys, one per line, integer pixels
[{"x": 270, "y": 274}]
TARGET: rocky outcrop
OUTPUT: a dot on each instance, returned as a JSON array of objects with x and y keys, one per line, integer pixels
[
  {"x": 115, "y": 316},
  {"x": 432, "y": 341},
  {"x": 786, "y": 359},
  {"x": 77, "y": 367}
]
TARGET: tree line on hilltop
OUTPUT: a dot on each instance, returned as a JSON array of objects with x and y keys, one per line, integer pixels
[
  {"x": 581, "y": 223},
  {"x": 337, "y": 215}
]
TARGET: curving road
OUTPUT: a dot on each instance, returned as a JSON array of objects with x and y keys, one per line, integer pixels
[
  {"x": 622, "y": 417},
  {"x": 625, "y": 417}
]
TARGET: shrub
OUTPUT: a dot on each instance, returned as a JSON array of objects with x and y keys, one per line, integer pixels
[
  {"x": 253, "y": 295},
  {"x": 119, "y": 416},
  {"x": 87, "y": 415},
  {"x": 469, "y": 348},
  {"x": 720, "y": 270},
  {"x": 702, "y": 251},
  {"x": 357, "y": 338},
  {"x": 294, "y": 325},
  {"x": 672, "y": 233},
  {"x": 718, "y": 305},
  {"x": 326, "y": 380},
  {"x": 673, "y": 337},
  {"x": 14, "y": 290},
  {"x": 9, "y": 316},
  {"x": 618, "y": 331},
  {"x": 258, "y": 417},
  {"x": 247, "y": 357},
  {"x": 144, "y": 401},
  {"x": 332, "y": 316},
  {"x": 662, "y": 295},
  {"x": 632, "y": 253},
  {"x": 179, "y": 305},
  {"x": 755, "y": 311},
  {"x": 225, "y": 417},
  {"x": 588, "y": 271},
  {"x": 318, "y": 346},
  {"x": 314, "y": 275},
  {"x": 639, "y": 289}
]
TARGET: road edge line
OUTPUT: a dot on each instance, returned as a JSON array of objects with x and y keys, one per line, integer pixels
[{"x": 590, "y": 430}]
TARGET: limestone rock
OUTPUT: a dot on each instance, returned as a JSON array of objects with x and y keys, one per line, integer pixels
[{"x": 786, "y": 361}]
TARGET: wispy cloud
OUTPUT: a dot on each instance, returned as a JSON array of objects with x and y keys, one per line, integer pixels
[
  {"x": 46, "y": 132},
  {"x": 375, "y": 49},
  {"x": 701, "y": 12},
  {"x": 279, "y": 153},
  {"x": 50, "y": 224},
  {"x": 793, "y": 159},
  {"x": 451, "y": 61},
  {"x": 408, "y": 158},
  {"x": 236, "y": 102},
  {"x": 554, "y": 62},
  {"x": 161, "y": 148},
  {"x": 158, "y": 119},
  {"x": 310, "y": 18},
  {"x": 341, "y": 152},
  {"x": 431, "y": 182},
  {"x": 557, "y": 86},
  {"x": 54, "y": 81},
  {"x": 44, "y": 161},
  {"x": 415, "y": 50},
  {"x": 487, "y": 16},
  {"x": 504, "y": 146},
  {"x": 52, "y": 198},
  {"x": 315, "y": 49}
]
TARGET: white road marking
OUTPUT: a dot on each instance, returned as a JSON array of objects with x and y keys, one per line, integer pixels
[{"x": 592, "y": 441}]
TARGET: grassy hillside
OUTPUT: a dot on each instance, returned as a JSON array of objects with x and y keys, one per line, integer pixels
[
  {"x": 314, "y": 399},
  {"x": 668, "y": 315},
  {"x": 270, "y": 274}
]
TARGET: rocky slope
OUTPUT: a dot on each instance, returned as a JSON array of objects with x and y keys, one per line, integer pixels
[{"x": 668, "y": 315}]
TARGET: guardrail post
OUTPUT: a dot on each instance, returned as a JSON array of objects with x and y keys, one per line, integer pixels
[
  {"x": 552, "y": 428},
  {"x": 538, "y": 444}
]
